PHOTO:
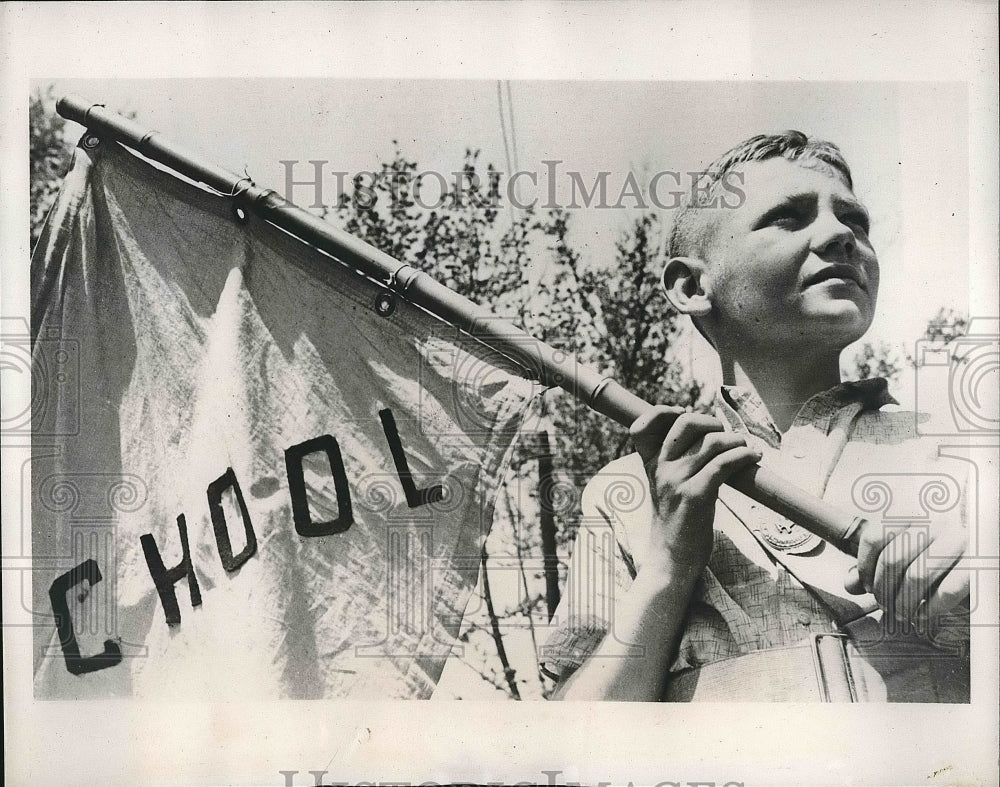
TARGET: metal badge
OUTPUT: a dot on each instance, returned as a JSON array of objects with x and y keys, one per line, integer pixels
[{"x": 785, "y": 536}]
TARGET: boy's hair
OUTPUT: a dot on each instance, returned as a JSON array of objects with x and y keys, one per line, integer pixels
[{"x": 692, "y": 230}]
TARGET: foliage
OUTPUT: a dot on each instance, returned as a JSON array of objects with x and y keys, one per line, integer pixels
[
  {"x": 946, "y": 326},
  {"x": 881, "y": 360},
  {"x": 884, "y": 360},
  {"x": 50, "y": 156},
  {"x": 524, "y": 267}
]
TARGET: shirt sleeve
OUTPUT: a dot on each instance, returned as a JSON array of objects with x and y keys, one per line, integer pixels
[{"x": 600, "y": 570}]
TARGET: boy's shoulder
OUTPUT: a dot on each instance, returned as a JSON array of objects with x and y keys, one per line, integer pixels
[
  {"x": 621, "y": 483},
  {"x": 888, "y": 422},
  {"x": 618, "y": 497}
]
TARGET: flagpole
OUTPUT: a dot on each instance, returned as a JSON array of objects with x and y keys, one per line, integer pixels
[{"x": 553, "y": 367}]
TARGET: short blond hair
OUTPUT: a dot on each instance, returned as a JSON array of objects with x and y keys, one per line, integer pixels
[{"x": 691, "y": 233}]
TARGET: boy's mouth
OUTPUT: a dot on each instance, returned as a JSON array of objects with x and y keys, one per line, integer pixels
[{"x": 838, "y": 271}]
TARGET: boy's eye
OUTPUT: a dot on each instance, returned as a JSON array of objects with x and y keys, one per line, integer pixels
[
  {"x": 857, "y": 221},
  {"x": 785, "y": 216},
  {"x": 789, "y": 217}
]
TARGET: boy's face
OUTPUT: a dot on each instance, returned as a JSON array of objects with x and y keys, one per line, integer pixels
[{"x": 792, "y": 268}]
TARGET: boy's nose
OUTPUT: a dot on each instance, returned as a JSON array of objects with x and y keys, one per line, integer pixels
[{"x": 833, "y": 239}]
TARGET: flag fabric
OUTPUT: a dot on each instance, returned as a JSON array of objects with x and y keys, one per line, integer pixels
[{"x": 255, "y": 472}]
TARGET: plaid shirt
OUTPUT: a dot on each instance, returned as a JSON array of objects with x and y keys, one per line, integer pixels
[{"x": 750, "y": 597}]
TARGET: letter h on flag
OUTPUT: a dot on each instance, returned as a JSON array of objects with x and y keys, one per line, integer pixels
[{"x": 272, "y": 474}]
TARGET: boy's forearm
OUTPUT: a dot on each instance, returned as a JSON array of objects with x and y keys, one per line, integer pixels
[{"x": 631, "y": 663}]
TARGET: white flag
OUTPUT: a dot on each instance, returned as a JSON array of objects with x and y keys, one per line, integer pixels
[{"x": 255, "y": 473}]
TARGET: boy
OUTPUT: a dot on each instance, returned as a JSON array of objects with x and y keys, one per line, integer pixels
[{"x": 705, "y": 595}]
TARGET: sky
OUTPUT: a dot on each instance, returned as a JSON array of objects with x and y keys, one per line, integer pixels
[{"x": 906, "y": 144}]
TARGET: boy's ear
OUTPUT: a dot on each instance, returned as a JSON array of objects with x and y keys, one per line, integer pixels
[{"x": 688, "y": 285}]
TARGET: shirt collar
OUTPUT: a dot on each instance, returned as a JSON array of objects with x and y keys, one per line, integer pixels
[{"x": 744, "y": 410}]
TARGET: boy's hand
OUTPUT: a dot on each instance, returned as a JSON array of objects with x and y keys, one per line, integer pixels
[
  {"x": 687, "y": 458},
  {"x": 913, "y": 579}
]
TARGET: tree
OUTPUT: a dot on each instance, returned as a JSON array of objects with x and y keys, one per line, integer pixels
[
  {"x": 50, "y": 155},
  {"x": 885, "y": 360},
  {"x": 881, "y": 360},
  {"x": 945, "y": 326},
  {"x": 612, "y": 318}
]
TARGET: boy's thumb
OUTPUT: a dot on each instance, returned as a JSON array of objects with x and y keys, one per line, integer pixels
[{"x": 852, "y": 582}]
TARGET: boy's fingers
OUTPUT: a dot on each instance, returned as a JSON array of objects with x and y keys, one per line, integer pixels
[
  {"x": 657, "y": 419},
  {"x": 853, "y": 583},
  {"x": 714, "y": 444},
  {"x": 895, "y": 569},
  {"x": 869, "y": 548},
  {"x": 686, "y": 431},
  {"x": 650, "y": 428},
  {"x": 950, "y": 592},
  {"x": 935, "y": 579},
  {"x": 907, "y": 578},
  {"x": 715, "y": 473},
  {"x": 911, "y": 592}
]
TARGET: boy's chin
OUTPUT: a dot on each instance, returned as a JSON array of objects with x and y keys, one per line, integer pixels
[{"x": 839, "y": 324}]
